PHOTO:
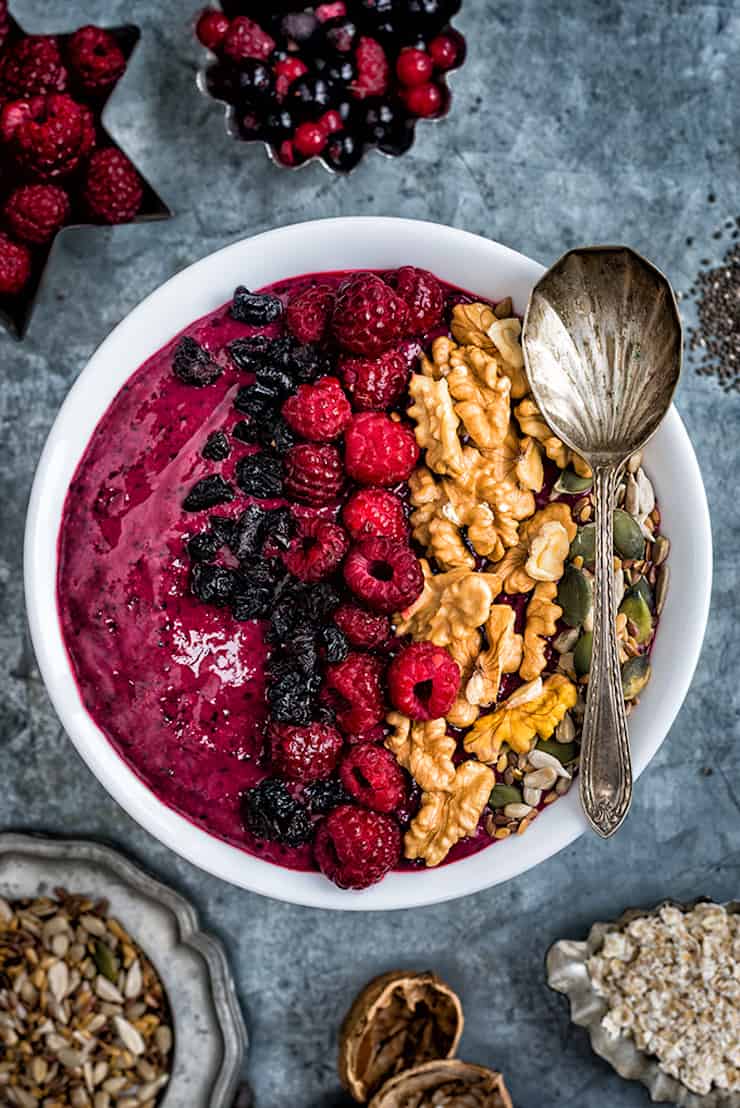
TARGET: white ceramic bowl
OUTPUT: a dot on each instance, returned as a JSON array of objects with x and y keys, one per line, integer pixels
[{"x": 463, "y": 259}]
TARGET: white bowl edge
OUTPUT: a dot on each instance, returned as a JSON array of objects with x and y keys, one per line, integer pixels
[{"x": 463, "y": 259}]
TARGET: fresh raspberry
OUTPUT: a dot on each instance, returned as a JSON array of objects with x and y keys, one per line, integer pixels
[
  {"x": 383, "y": 574},
  {"x": 318, "y": 412},
  {"x": 286, "y": 71},
  {"x": 331, "y": 11},
  {"x": 374, "y": 511},
  {"x": 423, "y": 681},
  {"x": 95, "y": 58},
  {"x": 353, "y": 689},
  {"x": 211, "y": 28},
  {"x": 423, "y": 100},
  {"x": 376, "y": 734},
  {"x": 308, "y": 313},
  {"x": 373, "y": 777},
  {"x": 305, "y": 753},
  {"x": 34, "y": 213},
  {"x": 362, "y": 629},
  {"x": 379, "y": 451},
  {"x": 246, "y": 39},
  {"x": 331, "y": 122},
  {"x": 375, "y": 383},
  {"x": 446, "y": 51},
  {"x": 15, "y": 266},
  {"x": 31, "y": 67},
  {"x": 317, "y": 550},
  {"x": 356, "y": 848},
  {"x": 309, "y": 139},
  {"x": 313, "y": 473},
  {"x": 373, "y": 70},
  {"x": 423, "y": 295},
  {"x": 368, "y": 316},
  {"x": 414, "y": 67},
  {"x": 49, "y": 135},
  {"x": 12, "y": 115},
  {"x": 113, "y": 190}
]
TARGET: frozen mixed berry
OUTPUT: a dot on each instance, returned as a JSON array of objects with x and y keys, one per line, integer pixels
[
  {"x": 271, "y": 813},
  {"x": 423, "y": 681},
  {"x": 373, "y": 70},
  {"x": 246, "y": 39},
  {"x": 414, "y": 67},
  {"x": 309, "y": 139},
  {"x": 260, "y": 475},
  {"x": 447, "y": 51},
  {"x": 375, "y": 384},
  {"x": 353, "y": 688},
  {"x": 375, "y": 511},
  {"x": 313, "y": 473},
  {"x": 343, "y": 151},
  {"x": 388, "y": 127},
  {"x": 287, "y": 70},
  {"x": 318, "y": 412},
  {"x": 95, "y": 58},
  {"x": 48, "y": 135},
  {"x": 306, "y": 753},
  {"x": 378, "y": 450},
  {"x": 307, "y": 315},
  {"x": 373, "y": 777},
  {"x": 15, "y": 266},
  {"x": 423, "y": 295},
  {"x": 211, "y": 28},
  {"x": 34, "y": 213},
  {"x": 113, "y": 191},
  {"x": 368, "y": 317},
  {"x": 383, "y": 574},
  {"x": 256, "y": 308},
  {"x": 32, "y": 66},
  {"x": 362, "y": 629},
  {"x": 208, "y": 493},
  {"x": 356, "y": 848},
  {"x": 424, "y": 101},
  {"x": 317, "y": 551},
  {"x": 193, "y": 365},
  {"x": 335, "y": 10}
]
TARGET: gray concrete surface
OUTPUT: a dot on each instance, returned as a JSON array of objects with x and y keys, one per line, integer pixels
[{"x": 576, "y": 122}]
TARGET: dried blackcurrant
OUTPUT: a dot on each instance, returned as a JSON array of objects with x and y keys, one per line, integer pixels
[
  {"x": 323, "y": 797},
  {"x": 193, "y": 365},
  {"x": 246, "y": 430},
  {"x": 204, "y": 547},
  {"x": 208, "y": 492},
  {"x": 279, "y": 527},
  {"x": 254, "y": 589},
  {"x": 335, "y": 643},
  {"x": 270, "y": 812},
  {"x": 255, "y": 308},
  {"x": 247, "y": 535},
  {"x": 250, "y": 353},
  {"x": 260, "y": 475},
  {"x": 217, "y": 447},
  {"x": 212, "y": 584}
]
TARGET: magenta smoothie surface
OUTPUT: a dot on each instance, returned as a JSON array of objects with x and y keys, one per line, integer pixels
[{"x": 177, "y": 687}]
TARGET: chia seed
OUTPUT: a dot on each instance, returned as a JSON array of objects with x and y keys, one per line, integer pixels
[{"x": 715, "y": 341}]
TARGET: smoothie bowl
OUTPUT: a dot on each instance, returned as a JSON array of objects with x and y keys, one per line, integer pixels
[{"x": 309, "y": 578}]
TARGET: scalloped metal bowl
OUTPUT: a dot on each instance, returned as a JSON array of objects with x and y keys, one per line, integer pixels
[{"x": 567, "y": 974}]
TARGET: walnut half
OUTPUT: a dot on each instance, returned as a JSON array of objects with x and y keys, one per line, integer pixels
[
  {"x": 444, "y": 1084},
  {"x": 446, "y": 817}
]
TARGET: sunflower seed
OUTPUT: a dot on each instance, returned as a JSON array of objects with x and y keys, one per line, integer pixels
[
  {"x": 102, "y": 1100},
  {"x": 58, "y": 978},
  {"x": 532, "y": 796},
  {"x": 93, "y": 925},
  {"x": 631, "y": 496},
  {"x": 6, "y": 912},
  {"x": 106, "y": 990},
  {"x": 543, "y": 778},
  {"x": 163, "y": 1039},
  {"x": 129, "y": 1036},
  {"x": 133, "y": 985},
  {"x": 661, "y": 550},
  {"x": 517, "y": 811},
  {"x": 540, "y": 759},
  {"x": 70, "y": 1059}
]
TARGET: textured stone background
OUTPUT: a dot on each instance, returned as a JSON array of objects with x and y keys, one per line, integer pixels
[{"x": 575, "y": 122}]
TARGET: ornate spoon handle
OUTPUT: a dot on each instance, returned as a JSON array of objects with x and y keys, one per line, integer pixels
[{"x": 606, "y": 769}]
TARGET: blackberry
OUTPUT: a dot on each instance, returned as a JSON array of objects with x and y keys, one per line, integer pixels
[
  {"x": 193, "y": 365},
  {"x": 204, "y": 547},
  {"x": 212, "y": 584},
  {"x": 270, "y": 812},
  {"x": 208, "y": 492},
  {"x": 246, "y": 538},
  {"x": 248, "y": 354},
  {"x": 217, "y": 447},
  {"x": 260, "y": 475},
  {"x": 255, "y": 308},
  {"x": 335, "y": 643},
  {"x": 254, "y": 587},
  {"x": 279, "y": 527},
  {"x": 246, "y": 430},
  {"x": 323, "y": 797}
]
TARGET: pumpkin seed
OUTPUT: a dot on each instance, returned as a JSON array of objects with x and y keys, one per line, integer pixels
[
  {"x": 635, "y": 676},
  {"x": 628, "y": 540},
  {"x": 106, "y": 961},
  {"x": 582, "y": 653},
  {"x": 564, "y": 752},
  {"x": 574, "y": 596},
  {"x": 638, "y": 613},
  {"x": 642, "y": 587},
  {"x": 584, "y": 544},
  {"x": 569, "y": 482},
  {"x": 501, "y": 795}
]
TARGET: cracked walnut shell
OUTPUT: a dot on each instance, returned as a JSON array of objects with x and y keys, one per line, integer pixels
[
  {"x": 504, "y": 655},
  {"x": 444, "y": 1084},
  {"x": 446, "y": 817},
  {"x": 533, "y": 710},
  {"x": 398, "y": 1021},
  {"x": 541, "y": 623},
  {"x": 423, "y": 748}
]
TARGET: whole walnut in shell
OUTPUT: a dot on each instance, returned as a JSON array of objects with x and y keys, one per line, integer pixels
[
  {"x": 449, "y": 1083},
  {"x": 399, "y": 1020}
]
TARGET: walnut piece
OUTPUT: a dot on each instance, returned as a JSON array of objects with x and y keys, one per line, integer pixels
[
  {"x": 533, "y": 710},
  {"x": 450, "y": 606},
  {"x": 504, "y": 655},
  {"x": 399, "y": 1020},
  {"x": 444, "y": 1084},
  {"x": 542, "y": 618},
  {"x": 446, "y": 817},
  {"x": 532, "y": 424},
  {"x": 439, "y": 364},
  {"x": 465, "y": 650},
  {"x": 470, "y": 324},
  {"x": 423, "y": 748},
  {"x": 513, "y": 568},
  {"x": 548, "y": 549},
  {"x": 482, "y": 395},
  {"x": 504, "y": 334},
  {"x": 516, "y": 460},
  {"x": 436, "y": 424}
]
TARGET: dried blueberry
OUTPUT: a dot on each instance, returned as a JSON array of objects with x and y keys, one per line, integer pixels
[
  {"x": 207, "y": 493},
  {"x": 204, "y": 547},
  {"x": 302, "y": 649},
  {"x": 323, "y": 797},
  {"x": 275, "y": 379},
  {"x": 279, "y": 527},
  {"x": 246, "y": 430},
  {"x": 212, "y": 584},
  {"x": 217, "y": 447},
  {"x": 248, "y": 354},
  {"x": 303, "y": 363},
  {"x": 255, "y": 401},
  {"x": 223, "y": 527},
  {"x": 256, "y": 308},
  {"x": 270, "y": 812},
  {"x": 320, "y": 601},
  {"x": 247, "y": 537},
  {"x": 335, "y": 643},
  {"x": 193, "y": 365},
  {"x": 289, "y": 695},
  {"x": 260, "y": 475},
  {"x": 254, "y": 589},
  {"x": 274, "y": 434}
]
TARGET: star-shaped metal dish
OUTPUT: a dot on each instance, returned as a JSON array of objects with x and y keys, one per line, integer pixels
[{"x": 16, "y": 311}]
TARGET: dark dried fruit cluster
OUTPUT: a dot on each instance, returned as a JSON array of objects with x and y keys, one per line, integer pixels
[{"x": 334, "y": 79}]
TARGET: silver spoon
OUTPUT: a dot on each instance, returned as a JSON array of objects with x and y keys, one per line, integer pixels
[{"x": 603, "y": 348}]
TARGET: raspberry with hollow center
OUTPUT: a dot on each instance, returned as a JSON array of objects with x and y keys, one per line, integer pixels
[
  {"x": 385, "y": 575},
  {"x": 31, "y": 67},
  {"x": 34, "y": 213},
  {"x": 49, "y": 135},
  {"x": 375, "y": 383},
  {"x": 422, "y": 293},
  {"x": 15, "y": 266},
  {"x": 363, "y": 629},
  {"x": 423, "y": 681},
  {"x": 379, "y": 451},
  {"x": 96, "y": 58},
  {"x": 113, "y": 190},
  {"x": 318, "y": 412},
  {"x": 306, "y": 753},
  {"x": 246, "y": 39},
  {"x": 211, "y": 28},
  {"x": 373, "y": 777},
  {"x": 308, "y": 313},
  {"x": 368, "y": 317},
  {"x": 373, "y": 70},
  {"x": 317, "y": 550},
  {"x": 353, "y": 689},
  {"x": 313, "y": 473},
  {"x": 375, "y": 511},
  {"x": 356, "y": 848}
]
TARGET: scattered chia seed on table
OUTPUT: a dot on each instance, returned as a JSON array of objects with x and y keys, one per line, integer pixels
[{"x": 716, "y": 337}]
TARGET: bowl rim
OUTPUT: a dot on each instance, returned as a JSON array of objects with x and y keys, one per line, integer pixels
[{"x": 160, "y": 316}]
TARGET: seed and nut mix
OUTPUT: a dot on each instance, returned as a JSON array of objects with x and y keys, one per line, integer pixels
[
  {"x": 84, "y": 1020},
  {"x": 672, "y": 984},
  {"x": 504, "y": 513}
]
